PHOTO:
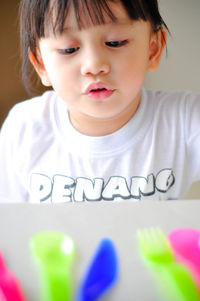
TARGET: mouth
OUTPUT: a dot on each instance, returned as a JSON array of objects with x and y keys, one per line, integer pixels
[
  {"x": 100, "y": 93},
  {"x": 99, "y": 90}
]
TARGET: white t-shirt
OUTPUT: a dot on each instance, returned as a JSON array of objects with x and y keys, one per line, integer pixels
[{"x": 156, "y": 155}]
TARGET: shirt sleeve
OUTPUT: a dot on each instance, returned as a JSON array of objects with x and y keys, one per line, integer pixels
[
  {"x": 11, "y": 188},
  {"x": 192, "y": 128}
]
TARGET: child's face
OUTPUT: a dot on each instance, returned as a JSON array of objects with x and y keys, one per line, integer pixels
[{"x": 115, "y": 56}]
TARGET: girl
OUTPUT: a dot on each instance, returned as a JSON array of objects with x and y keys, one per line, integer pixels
[{"x": 98, "y": 135}]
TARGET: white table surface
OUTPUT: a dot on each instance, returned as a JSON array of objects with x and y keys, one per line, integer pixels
[{"x": 87, "y": 224}]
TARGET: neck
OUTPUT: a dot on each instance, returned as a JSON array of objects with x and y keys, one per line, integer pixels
[{"x": 91, "y": 126}]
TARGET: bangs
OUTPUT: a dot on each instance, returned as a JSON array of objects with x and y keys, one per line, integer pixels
[
  {"x": 89, "y": 12},
  {"x": 86, "y": 12},
  {"x": 47, "y": 16}
]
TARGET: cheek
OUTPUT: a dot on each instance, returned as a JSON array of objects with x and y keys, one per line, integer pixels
[
  {"x": 66, "y": 83},
  {"x": 60, "y": 73},
  {"x": 132, "y": 70}
]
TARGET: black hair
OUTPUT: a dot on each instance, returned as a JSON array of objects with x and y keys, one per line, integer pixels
[{"x": 38, "y": 16}]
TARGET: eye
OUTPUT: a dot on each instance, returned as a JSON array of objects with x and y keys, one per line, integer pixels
[
  {"x": 68, "y": 50},
  {"x": 116, "y": 43}
]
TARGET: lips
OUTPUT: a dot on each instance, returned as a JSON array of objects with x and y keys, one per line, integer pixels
[{"x": 99, "y": 90}]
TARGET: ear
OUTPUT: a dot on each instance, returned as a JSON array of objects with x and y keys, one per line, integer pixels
[
  {"x": 40, "y": 68},
  {"x": 157, "y": 45}
]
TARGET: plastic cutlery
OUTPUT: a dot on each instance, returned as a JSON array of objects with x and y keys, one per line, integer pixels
[
  {"x": 186, "y": 246},
  {"x": 174, "y": 279},
  {"x": 102, "y": 272},
  {"x": 54, "y": 252},
  {"x": 10, "y": 289}
]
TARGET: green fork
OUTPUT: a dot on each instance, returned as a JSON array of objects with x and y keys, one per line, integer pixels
[{"x": 175, "y": 281}]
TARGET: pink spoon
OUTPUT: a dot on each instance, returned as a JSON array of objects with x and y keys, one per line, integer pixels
[
  {"x": 186, "y": 246},
  {"x": 2, "y": 297},
  {"x": 10, "y": 289}
]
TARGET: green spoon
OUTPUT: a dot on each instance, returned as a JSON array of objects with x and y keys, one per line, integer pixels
[{"x": 54, "y": 252}]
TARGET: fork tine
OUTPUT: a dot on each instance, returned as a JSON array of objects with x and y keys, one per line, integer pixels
[
  {"x": 143, "y": 240},
  {"x": 158, "y": 239},
  {"x": 166, "y": 244}
]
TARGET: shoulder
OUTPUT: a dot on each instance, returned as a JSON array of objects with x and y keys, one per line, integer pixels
[
  {"x": 181, "y": 103},
  {"x": 175, "y": 112},
  {"x": 33, "y": 108},
  {"x": 30, "y": 118},
  {"x": 178, "y": 97}
]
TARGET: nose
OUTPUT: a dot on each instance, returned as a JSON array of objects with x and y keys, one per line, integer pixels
[{"x": 95, "y": 63}]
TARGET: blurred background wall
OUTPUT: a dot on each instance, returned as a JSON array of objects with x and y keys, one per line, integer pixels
[
  {"x": 179, "y": 70},
  {"x": 11, "y": 89},
  {"x": 11, "y": 86}
]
